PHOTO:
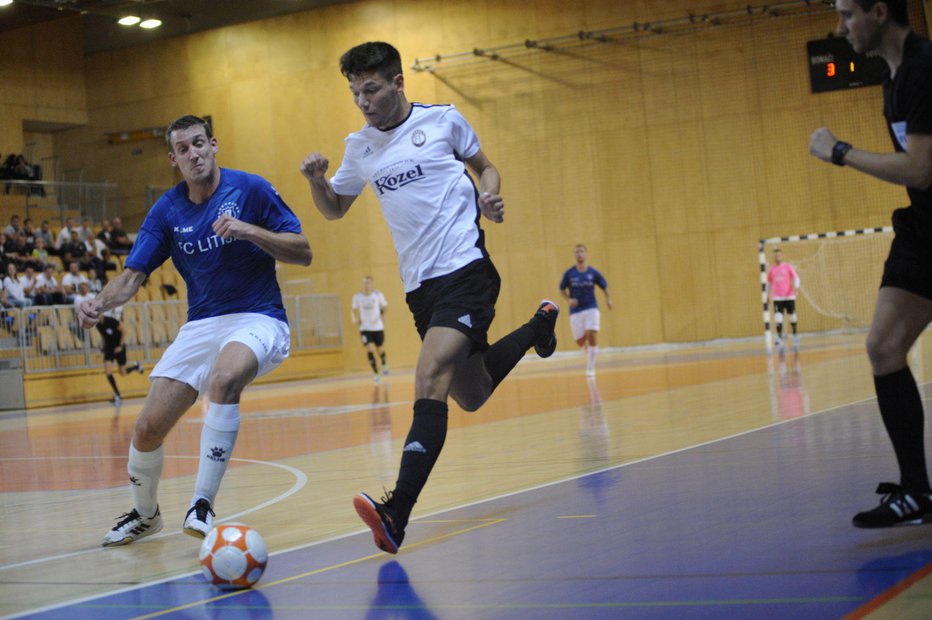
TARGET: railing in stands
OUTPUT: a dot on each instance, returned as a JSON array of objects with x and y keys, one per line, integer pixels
[
  {"x": 61, "y": 199},
  {"x": 49, "y": 339}
]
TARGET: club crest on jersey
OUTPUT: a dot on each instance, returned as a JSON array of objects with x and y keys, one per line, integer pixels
[
  {"x": 229, "y": 208},
  {"x": 418, "y": 138},
  {"x": 395, "y": 180}
]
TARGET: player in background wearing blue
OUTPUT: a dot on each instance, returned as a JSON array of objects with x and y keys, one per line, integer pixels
[
  {"x": 223, "y": 229},
  {"x": 414, "y": 156},
  {"x": 578, "y": 287},
  {"x": 904, "y": 302}
]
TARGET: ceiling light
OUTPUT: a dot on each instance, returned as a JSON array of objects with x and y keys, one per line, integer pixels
[
  {"x": 129, "y": 20},
  {"x": 150, "y": 23},
  {"x": 6, "y": 2}
]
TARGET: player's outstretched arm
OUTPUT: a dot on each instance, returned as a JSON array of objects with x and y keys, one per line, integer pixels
[
  {"x": 332, "y": 205},
  {"x": 287, "y": 247},
  {"x": 911, "y": 168},
  {"x": 118, "y": 291}
]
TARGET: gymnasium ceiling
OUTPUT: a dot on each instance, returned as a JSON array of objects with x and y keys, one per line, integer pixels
[{"x": 101, "y": 32}]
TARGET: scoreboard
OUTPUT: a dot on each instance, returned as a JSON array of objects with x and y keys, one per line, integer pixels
[{"x": 834, "y": 65}]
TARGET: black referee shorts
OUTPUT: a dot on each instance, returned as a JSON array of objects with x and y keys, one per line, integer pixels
[
  {"x": 463, "y": 300},
  {"x": 909, "y": 264}
]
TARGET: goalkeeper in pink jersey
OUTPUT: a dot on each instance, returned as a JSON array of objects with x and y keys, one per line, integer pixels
[{"x": 783, "y": 283}]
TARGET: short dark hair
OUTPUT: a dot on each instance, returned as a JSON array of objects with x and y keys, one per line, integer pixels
[
  {"x": 897, "y": 8},
  {"x": 184, "y": 122},
  {"x": 372, "y": 57}
]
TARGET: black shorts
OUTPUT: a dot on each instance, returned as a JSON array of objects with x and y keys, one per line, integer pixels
[
  {"x": 463, "y": 300},
  {"x": 786, "y": 306},
  {"x": 909, "y": 264},
  {"x": 112, "y": 340},
  {"x": 376, "y": 338}
]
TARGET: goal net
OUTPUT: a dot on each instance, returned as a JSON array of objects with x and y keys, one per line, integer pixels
[{"x": 839, "y": 275}]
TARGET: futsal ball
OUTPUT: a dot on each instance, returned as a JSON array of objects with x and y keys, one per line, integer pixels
[{"x": 233, "y": 556}]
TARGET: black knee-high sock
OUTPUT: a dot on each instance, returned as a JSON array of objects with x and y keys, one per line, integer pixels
[
  {"x": 901, "y": 410},
  {"x": 793, "y": 325},
  {"x": 422, "y": 447},
  {"x": 382, "y": 355},
  {"x": 372, "y": 362},
  {"x": 112, "y": 381},
  {"x": 504, "y": 355}
]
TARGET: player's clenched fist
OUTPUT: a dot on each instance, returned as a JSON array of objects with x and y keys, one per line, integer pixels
[{"x": 314, "y": 166}]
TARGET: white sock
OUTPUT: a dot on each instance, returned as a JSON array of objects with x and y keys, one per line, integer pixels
[
  {"x": 221, "y": 426},
  {"x": 145, "y": 470},
  {"x": 591, "y": 352}
]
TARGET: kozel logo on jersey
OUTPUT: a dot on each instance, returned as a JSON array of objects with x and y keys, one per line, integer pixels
[
  {"x": 418, "y": 138},
  {"x": 391, "y": 182}
]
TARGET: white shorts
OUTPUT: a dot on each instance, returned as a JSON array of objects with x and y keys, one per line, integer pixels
[
  {"x": 584, "y": 321},
  {"x": 191, "y": 356}
]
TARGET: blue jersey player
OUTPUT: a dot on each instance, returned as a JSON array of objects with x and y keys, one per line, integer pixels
[
  {"x": 578, "y": 287},
  {"x": 224, "y": 230}
]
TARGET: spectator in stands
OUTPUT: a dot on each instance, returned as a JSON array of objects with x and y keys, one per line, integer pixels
[
  {"x": 14, "y": 289},
  {"x": 28, "y": 281},
  {"x": 120, "y": 243},
  {"x": 71, "y": 280},
  {"x": 80, "y": 252},
  {"x": 40, "y": 256},
  {"x": 13, "y": 228},
  {"x": 94, "y": 283},
  {"x": 29, "y": 232},
  {"x": 7, "y": 248},
  {"x": 105, "y": 234},
  {"x": 48, "y": 290},
  {"x": 45, "y": 232},
  {"x": 23, "y": 251},
  {"x": 64, "y": 235},
  {"x": 86, "y": 230}
]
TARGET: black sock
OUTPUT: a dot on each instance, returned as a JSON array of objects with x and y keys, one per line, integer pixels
[
  {"x": 112, "y": 381},
  {"x": 504, "y": 355},
  {"x": 901, "y": 410},
  {"x": 382, "y": 355},
  {"x": 422, "y": 447},
  {"x": 779, "y": 330},
  {"x": 372, "y": 362},
  {"x": 793, "y": 325}
]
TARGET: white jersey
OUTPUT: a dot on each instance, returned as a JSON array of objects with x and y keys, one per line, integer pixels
[
  {"x": 429, "y": 201},
  {"x": 370, "y": 310}
]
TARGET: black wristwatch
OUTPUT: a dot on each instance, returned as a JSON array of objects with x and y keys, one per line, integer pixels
[{"x": 839, "y": 151}]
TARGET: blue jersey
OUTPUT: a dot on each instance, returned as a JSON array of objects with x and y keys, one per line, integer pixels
[
  {"x": 582, "y": 287},
  {"x": 222, "y": 276}
]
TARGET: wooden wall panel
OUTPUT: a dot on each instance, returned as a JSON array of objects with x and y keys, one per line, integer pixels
[{"x": 669, "y": 155}]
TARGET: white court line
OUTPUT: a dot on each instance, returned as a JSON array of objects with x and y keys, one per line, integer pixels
[
  {"x": 459, "y": 507},
  {"x": 300, "y": 482}
]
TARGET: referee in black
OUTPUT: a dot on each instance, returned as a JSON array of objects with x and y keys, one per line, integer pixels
[
  {"x": 111, "y": 332},
  {"x": 904, "y": 302}
]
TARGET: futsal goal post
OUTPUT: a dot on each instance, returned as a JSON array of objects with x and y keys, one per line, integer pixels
[{"x": 839, "y": 274}]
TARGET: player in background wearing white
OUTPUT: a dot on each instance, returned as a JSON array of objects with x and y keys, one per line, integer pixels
[
  {"x": 782, "y": 284},
  {"x": 223, "y": 229},
  {"x": 371, "y": 305},
  {"x": 415, "y": 157},
  {"x": 578, "y": 287},
  {"x": 904, "y": 302}
]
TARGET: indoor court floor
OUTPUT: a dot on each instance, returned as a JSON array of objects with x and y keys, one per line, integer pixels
[{"x": 713, "y": 481}]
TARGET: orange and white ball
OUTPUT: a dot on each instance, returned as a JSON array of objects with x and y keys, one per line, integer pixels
[{"x": 233, "y": 556}]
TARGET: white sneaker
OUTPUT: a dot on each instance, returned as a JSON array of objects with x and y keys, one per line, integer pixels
[
  {"x": 384, "y": 370},
  {"x": 199, "y": 520},
  {"x": 131, "y": 527},
  {"x": 778, "y": 342},
  {"x": 376, "y": 379},
  {"x": 590, "y": 372}
]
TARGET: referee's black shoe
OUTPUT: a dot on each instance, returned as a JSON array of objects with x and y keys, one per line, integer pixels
[
  {"x": 899, "y": 506},
  {"x": 547, "y": 343}
]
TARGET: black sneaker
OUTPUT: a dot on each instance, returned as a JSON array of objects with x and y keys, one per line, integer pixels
[
  {"x": 381, "y": 520},
  {"x": 898, "y": 507},
  {"x": 199, "y": 520},
  {"x": 547, "y": 344}
]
